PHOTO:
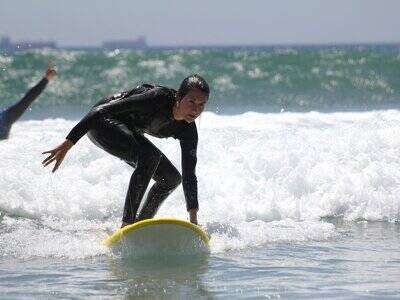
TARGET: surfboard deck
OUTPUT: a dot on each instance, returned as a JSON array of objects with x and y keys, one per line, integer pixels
[{"x": 159, "y": 237}]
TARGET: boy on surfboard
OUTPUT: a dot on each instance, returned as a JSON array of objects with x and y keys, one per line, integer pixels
[{"x": 118, "y": 123}]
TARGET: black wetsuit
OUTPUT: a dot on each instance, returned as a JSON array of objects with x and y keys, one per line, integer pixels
[
  {"x": 118, "y": 123},
  {"x": 10, "y": 115}
]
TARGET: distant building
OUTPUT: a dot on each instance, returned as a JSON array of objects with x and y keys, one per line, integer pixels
[
  {"x": 139, "y": 43},
  {"x": 7, "y": 45}
]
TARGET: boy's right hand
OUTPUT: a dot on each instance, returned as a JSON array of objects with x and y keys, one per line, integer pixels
[{"x": 57, "y": 154}]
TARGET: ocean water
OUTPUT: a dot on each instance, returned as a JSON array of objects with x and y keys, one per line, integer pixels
[
  {"x": 290, "y": 79},
  {"x": 301, "y": 198}
]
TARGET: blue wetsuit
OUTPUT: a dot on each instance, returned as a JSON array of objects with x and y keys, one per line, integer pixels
[{"x": 9, "y": 115}]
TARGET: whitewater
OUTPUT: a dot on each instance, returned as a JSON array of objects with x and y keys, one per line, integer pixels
[{"x": 296, "y": 204}]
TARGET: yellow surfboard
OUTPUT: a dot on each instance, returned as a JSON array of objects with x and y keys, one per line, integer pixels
[{"x": 159, "y": 237}]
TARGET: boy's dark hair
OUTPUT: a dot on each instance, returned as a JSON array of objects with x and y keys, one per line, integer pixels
[{"x": 191, "y": 82}]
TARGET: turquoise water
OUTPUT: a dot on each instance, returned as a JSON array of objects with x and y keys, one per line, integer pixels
[
  {"x": 298, "y": 203},
  {"x": 291, "y": 79}
]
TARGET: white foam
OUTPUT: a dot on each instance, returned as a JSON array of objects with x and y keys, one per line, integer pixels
[
  {"x": 169, "y": 68},
  {"x": 262, "y": 178},
  {"x": 257, "y": 233},
  {"x": 224, "y": 83},
  {"x": 51, "y": 237}
]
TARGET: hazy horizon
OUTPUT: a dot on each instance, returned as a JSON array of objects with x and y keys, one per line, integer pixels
[
  {"x": 294, "y": 44},
  {"x": 178, "y": 22}
]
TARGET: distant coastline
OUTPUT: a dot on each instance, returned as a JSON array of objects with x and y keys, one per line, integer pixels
[{"x": 8, "y": 46}]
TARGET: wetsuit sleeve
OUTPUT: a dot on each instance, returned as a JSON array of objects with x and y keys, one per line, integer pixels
[
  {"x": 15, "y": 111},
  {"x": 139, "y": 103},
  {"x": 188, "y": 143},
  {"x": 34, "y": 92}
]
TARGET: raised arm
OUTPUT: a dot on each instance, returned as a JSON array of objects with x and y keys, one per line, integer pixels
[{"x": 15, "y": 111}]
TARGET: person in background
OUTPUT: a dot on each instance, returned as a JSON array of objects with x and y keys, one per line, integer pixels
[{"x": 11, "y": 114}]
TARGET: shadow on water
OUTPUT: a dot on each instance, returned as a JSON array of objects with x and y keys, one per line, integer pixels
[{"x": 178, "y": 277}]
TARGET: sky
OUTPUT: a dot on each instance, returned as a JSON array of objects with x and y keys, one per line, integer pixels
[{"x": 205, "y": 22}]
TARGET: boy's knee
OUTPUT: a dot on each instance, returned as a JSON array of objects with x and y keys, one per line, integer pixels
[
  {"x": 171, "y": 181},
  {"x": 176, "y": 179},
  {"x": 149, "y": 158}
]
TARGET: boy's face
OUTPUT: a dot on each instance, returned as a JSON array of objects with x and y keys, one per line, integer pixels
[{"x": 192, "y": 105}]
